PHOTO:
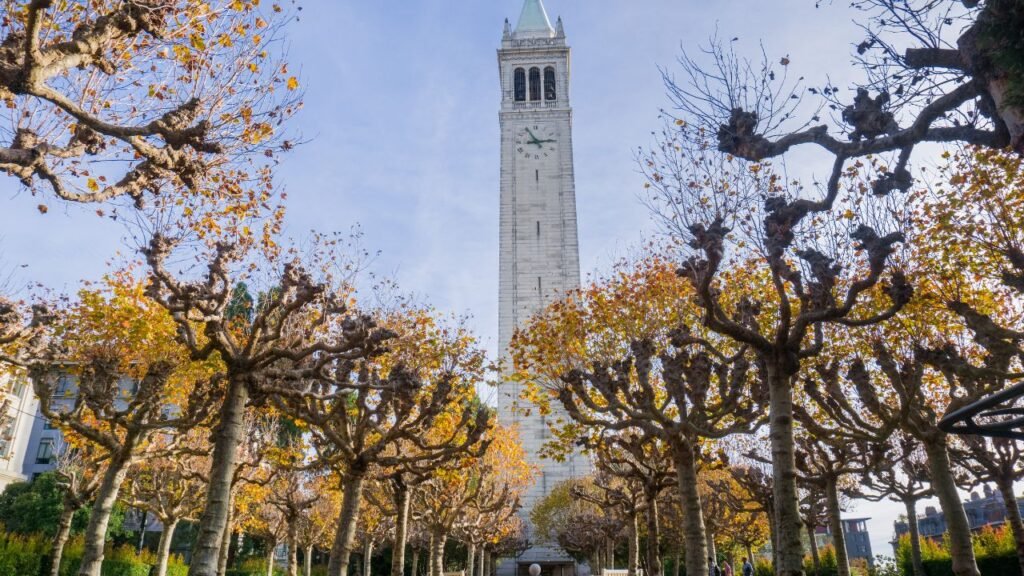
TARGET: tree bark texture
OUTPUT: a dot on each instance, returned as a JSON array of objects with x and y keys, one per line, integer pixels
[
  {"x": 341, "y": 552},
  {"x": 307, "y": 561},
  {"x": 790, "y": 553},
  {"x": 437, "y": 543},
  {"x": 163, "y": 551},
  {"x": 216, "y": 515},
  {"x": 60, "y": 539},
  {"x": 1005, "y": 486},
  {"x": 835, "y": 523},
  {"x": 106, "y": 497},
  {"x": 634, "y": 545},
  {"x": 224, "y": 554},
  {"x": 915, "y": 537},
  {"x": 401, "y": 532},
  {"x": 694, "y": 531},
  {"x": 481, "y": 563},
  {"x": 415, "y": 562},
  {"x": 470, "y": 558},
  {"x": 815, "y": 559},
  {"x": 270, "y": 557},
  {"x": 654, "y": 565},
  {"x": 960, "y": 546},
  {"x": 367, "y": 558}
]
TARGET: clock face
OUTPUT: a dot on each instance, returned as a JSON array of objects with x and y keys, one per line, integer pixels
[{"x": 536, "y": 142}]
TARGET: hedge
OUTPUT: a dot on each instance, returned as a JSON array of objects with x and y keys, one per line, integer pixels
[{"x": 989, "y": 566}]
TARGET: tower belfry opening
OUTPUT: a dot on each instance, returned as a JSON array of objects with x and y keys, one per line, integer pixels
[{"x": 537, "y": 193}]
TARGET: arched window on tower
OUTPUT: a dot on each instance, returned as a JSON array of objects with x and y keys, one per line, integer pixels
[
  {"x": 550, "y": 92},
  {"x": 534, "y": 84},
  {"x": 519, "y": 90}
]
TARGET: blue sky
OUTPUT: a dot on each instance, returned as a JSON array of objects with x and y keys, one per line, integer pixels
[{"x": 401, "y": 116}]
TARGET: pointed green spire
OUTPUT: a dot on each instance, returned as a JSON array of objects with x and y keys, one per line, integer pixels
[{"x": 533, "y": 21}]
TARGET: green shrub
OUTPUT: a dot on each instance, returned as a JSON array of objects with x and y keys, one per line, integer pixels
[
  {"x": 252, "y": 567},
  {"x": 21, "y": 555},
  {"x": 763, "y": 568}
]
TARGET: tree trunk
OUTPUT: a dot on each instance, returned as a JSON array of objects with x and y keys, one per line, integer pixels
[
  {"x": 437, "y": 543},
  {"x": 402, "y": 497},
  {"x": 633, "y": 561},
  {"x": 341, "y": 552},
  {"x": 915, "y": 537},
  {"x": 610, "y": 548},
  {"x": 815, "y": 559},
  {"x": 293, "y": 550},
  {"x": 470, "y": 558},
  {"x": 960, "y": 547},
  {"x": 224, "y": 554},
  {"x": 60, "y": 539},
  {"x": 712, "y": 551},
  {"x": 142, "y": 531},
  {"x": 307, "y": 561},
  {"x": 214, "y": 521},
  {"x": 270, "y": 557},
  {"x": 654, "y": 566},
  {"x": 694, "y": 534},
  {"x": 106, "y": 497},
  {"x": 163, "y": 551},
  {"x": 835, "y": 524},
  {"x": 415, "y": 562},
  {"x": 750, "y": 554},
  {"x": 678, "y": 562},
  {"x": 367, "y": 558},
  {"x": 788, "y": 525},
  {"x": 1005, "y": 486},
  {"x": 481, "y": 563}
]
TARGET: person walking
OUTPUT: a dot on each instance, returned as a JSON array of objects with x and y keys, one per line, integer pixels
[
  {"x": 713, "y": 569},
  {"x": 748, "y": 568},
  {"x": 726, "y": 568}
]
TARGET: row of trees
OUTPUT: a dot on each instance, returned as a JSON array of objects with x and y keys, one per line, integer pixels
[
  {"x": 226, "y": 378},
  {"x": 810, "y": 337}
]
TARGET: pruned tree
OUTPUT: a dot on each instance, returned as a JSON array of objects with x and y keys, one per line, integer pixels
[
  {"x": 169, "y": 485},
  {"x": 770, "y": 273},
  {"x": 904, "y": 478},
  {"x": 276, "y": 343},
  {"x": 489, "y": 485},
  {"x": 366, "y": 407},
  {"x": 757, "y": 480},
  {"x": 114, "y": 352},
  {"x": 291, "y": 492},
  {"x": 583, "y": 529},
  {"x": 317, "y": 525},
  {"x": 629, "y": 353},
  {"x": 79, "y": 471},
  {"x": 643, "y": 461},
  {"x": 812, "y": 511}
]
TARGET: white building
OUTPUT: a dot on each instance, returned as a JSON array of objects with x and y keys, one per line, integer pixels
[
  {"x": 539, "y": 248},
  {"x": 16, "y": 428}
]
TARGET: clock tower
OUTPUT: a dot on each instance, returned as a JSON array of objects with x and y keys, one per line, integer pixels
[{"x": 539, "y": 260}]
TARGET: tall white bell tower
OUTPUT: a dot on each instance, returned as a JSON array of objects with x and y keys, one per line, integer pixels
[{"x": 539, "y": 258}]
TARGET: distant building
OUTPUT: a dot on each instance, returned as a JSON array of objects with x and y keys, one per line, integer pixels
[
  {"x": 983, "y": 511},
  {"x": 16, "y": 428},
  {"x": 46, "y": 440},
  {"x": 856, "y": 536}
]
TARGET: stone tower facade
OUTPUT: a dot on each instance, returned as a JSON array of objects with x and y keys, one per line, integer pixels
[{"x": 539, "y": 259}]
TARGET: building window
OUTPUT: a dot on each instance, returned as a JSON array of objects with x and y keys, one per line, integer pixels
[
  {"x": 549, "y": 84},
  {"x": 519, "y": 82},
  {"x": 63, "y": 387},
  {"x": 534, "y": 84},
  {"x": 45, "y": 453}
]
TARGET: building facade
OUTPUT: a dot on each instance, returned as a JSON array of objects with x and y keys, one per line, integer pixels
[
  {"x": 16, "y": 426},
  {"x": 985, "y": 510},
  {"x": 539, "y": 249},
  {"x": 856, "y": 536}
]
